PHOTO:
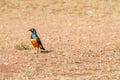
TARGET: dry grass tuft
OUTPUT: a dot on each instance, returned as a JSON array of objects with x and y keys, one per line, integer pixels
[{"x": 22, "y": 46}]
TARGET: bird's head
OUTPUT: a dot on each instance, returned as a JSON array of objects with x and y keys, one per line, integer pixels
[{"x": 32, "y": 30}]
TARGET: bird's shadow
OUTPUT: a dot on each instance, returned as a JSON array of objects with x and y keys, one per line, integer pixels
[{"x": 46, "y": 51}]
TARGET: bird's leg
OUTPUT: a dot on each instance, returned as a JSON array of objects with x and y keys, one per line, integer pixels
[{"x": 37, "y": 50}]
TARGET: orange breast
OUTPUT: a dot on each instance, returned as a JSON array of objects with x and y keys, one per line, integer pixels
[{"x": 34, "y": 43}]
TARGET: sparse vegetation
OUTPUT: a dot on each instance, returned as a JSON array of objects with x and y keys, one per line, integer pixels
[{"x": 22, "y": 46}]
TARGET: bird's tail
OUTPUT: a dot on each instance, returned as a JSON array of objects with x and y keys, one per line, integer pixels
[{"x": 43, "y": 48}]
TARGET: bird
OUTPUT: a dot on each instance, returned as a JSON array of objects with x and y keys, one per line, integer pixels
[{"x": 35, "y": 40}]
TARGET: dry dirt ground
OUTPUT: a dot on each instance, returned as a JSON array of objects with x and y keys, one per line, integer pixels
[{"x": 83, "y": 39}]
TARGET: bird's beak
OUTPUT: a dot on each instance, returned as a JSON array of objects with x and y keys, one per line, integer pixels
[{"x": 29, "y": 30}]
